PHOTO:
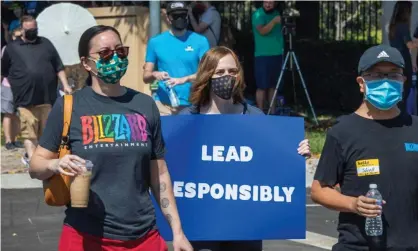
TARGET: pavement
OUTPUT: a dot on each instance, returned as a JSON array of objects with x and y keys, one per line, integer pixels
[{"x": 27, "y": 222}]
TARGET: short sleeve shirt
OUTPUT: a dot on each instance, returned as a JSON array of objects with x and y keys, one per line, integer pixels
[
  {"x": 120, "y": 135},
  {"x": 246, "y": 110},
  {"x": 360, "y": 151},
  {"x": 212, "y": 18},
  {"x": 31, "y": 69},
  {"x": 270, "y": 44},
  {"x": 179, "y": 57}
]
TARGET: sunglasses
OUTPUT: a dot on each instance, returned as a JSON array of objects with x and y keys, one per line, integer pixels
[
  {"x": 178, "y": 15},
  {"x": 107, "y": 54}
]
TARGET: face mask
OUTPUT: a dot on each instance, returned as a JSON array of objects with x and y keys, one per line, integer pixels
[
  {"x": 179, "y": 23},
  {"x": 383, "y": 93},
  {"x": 31, "y": 34},
  {"x": 111, "y": 71},
  {"x": 223, "y": 86}
]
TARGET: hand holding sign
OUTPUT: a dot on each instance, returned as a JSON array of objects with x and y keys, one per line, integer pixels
[{"x": 304, "y": 148}]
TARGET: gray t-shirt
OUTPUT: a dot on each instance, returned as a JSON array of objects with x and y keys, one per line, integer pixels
[
  {"x": 246, "y": 110},
  {"x": 120, "y": 135},
  {"x": 212, "y": 18}
]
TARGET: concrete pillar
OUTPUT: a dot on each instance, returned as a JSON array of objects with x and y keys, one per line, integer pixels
[{"x": 155, "y": 17}]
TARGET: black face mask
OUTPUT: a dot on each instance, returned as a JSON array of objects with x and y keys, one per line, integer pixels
[
  {"x": 223, "y": 86},
  {"x": 31, "y": 34},
  {"x": 180, "y": 23}
]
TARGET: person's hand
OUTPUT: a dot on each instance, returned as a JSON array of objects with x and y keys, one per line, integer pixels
[
  {"x": 367, "y": 207},
  {"x": 176, "y": 81},
  {"x": 69, "y": 165},
  {"x": 277, "y": 19},
  {"x": 160, "y": 75},
  {"x": 68, "y": 89},
  {"x": 304, "y": 148},
  {"x": 180, "y": 243}
]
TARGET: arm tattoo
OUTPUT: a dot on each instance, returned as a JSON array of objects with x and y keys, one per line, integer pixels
[
  {"x": 169, "y": 218},
  {"x": 163, "y": 187},
  {"x": 165, "y": 202}
]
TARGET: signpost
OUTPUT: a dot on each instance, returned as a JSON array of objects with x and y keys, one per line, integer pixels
[{"x": 236, "y": 177}]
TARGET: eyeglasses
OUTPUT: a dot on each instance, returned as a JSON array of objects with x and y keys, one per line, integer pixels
[
  {"x": 380, "y": 75},
  {"x": 107, "y": 54},
  {"x": 175, "y": 16}
]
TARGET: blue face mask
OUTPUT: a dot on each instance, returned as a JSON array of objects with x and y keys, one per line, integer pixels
[{"x": 383, "y": 93}]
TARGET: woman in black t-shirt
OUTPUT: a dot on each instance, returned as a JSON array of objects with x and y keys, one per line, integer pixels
[
  {"x": 400, "y": 38},
  {"x": 118, "y": 129},
  {"x": 219, "y": 89}
]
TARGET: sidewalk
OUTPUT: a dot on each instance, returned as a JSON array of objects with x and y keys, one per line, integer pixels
[{"x": 11, "y": 161}]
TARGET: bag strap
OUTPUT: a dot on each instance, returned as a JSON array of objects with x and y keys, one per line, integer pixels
[{"x": 68, "y": 110}]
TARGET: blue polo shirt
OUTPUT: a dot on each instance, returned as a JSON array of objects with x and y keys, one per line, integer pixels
[{"x": 179, "y": 56}]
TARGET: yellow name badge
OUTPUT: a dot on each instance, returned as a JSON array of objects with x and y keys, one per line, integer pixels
[{"x": 367, "y": 167}]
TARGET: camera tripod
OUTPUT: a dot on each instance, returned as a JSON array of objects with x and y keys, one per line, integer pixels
[{"x": 292, "y": 56}]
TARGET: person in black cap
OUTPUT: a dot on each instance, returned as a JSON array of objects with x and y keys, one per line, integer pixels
[
  {"x": 377, "y": 144},
  {"x": 172, "y": 60}
]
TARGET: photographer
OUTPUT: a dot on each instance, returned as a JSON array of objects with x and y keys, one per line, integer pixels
[{"x": 268, "y": 40}]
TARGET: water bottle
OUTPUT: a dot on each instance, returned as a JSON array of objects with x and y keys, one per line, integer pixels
[
  {"x": 173, "y": 97},
  {"x": 374, "y": 226}
]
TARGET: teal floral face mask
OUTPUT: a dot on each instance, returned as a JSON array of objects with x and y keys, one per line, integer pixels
[{"x": 111, "y": 71}]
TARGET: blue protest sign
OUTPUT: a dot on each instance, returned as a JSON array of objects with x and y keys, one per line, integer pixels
[{"x": 236, "y": 177}]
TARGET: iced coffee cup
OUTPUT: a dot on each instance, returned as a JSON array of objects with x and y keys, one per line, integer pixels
[{"x": 80, "y": 187}]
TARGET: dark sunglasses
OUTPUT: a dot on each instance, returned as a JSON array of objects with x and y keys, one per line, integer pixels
[
  {"x": 175, "y": 16},
  {"x": 107, "y": 54}
]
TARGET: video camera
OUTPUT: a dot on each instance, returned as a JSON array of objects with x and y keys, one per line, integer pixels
[{"x": 289, "y": 21}]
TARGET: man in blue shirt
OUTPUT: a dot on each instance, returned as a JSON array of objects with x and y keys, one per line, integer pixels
[{"x": 176, "y": 54}]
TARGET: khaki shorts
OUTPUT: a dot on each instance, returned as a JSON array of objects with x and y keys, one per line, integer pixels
[
  {"x": 166, "y": 110},
  {"x": 33, "y": 120}
]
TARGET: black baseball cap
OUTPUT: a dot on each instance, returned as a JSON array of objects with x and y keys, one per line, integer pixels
[
  {"x": 176, "y": 7},
  {"x": 380, "y": 53}
]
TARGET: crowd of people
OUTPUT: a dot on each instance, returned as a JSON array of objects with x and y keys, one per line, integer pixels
[{"x": 190, "y": 73}]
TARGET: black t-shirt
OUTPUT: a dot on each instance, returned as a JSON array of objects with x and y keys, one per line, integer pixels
[
  {"x": 246, "y": 110},
  {"x": 120, "y": 135},
  {"x": 360, "y": 151},
  {"x": 31, "y": 69}
]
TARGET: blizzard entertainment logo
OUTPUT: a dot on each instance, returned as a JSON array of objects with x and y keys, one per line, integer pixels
[{"x": 411, "y": 147}]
